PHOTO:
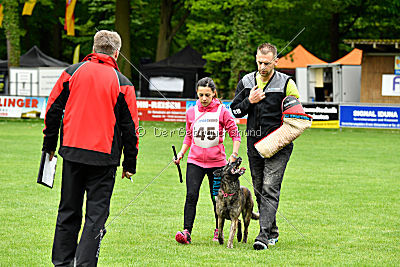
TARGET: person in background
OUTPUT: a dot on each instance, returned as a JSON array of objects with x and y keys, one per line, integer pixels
[
  {"x": 259, "y": 95},
  {"x": 206, "y": 123},
  {"x": 95, "y": 107}
]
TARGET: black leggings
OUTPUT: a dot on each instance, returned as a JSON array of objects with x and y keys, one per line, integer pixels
[{"x": 194, "y": 178}]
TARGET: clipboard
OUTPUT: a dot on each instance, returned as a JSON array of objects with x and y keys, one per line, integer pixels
[{"x": 47, "y": 170}]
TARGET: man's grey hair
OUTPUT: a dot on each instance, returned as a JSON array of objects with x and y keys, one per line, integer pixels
[
  {"x": 106, "y": 42},
  {"x": 265, "y": 48}
]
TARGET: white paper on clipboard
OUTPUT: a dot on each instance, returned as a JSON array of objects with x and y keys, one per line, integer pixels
[{"x": 47, "y": 170}]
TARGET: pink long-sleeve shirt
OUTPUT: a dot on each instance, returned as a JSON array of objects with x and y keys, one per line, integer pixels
[{"x": 214, "y": 156}]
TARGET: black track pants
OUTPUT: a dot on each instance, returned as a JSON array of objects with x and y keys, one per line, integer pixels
[
  {"x": 194, "y": 178},
  {"x": 267, "y": 176},
  {"x": 98, "y": 183}
]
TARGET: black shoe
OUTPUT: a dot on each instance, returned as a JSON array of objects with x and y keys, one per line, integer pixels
[{"x": 258, "y": 245}]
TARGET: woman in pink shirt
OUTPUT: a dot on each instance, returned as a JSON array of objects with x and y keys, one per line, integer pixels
[{"x": 206, "y": 124}]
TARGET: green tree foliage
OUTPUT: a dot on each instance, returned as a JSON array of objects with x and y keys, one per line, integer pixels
[
  {"x": 90, "y": 16},
  {"x": 40, "y": 29},
  {"x": 122, "y": 26},
  {"x": 328, "y": 22},
  {"x": 12, "y": 31},
  {"x": 170, "y": 10},
  {"x": 43, "y": 28},
  {"x": 227, "y": 34},
  {"x": 208, "y": 32},
  {"x": 378, "y": 21},
  {"x": 250, "y": 28}
]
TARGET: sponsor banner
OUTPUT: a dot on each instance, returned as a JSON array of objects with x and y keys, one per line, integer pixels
[
  {"x": 161, "y": 110},
  {"x": 390, "y": 85},
  {"x": 325, "y": 124},
  {"x": 22, "y": 107},
  {"x": 397, "y": 65},
  {"x": 324, "y": 115},
  {"x": 369, "y": 117},
  {"x": 33, "y": 81},
  {"x": 227, "y": 104},
  {"x": 47, "y": 79},
  {"x": 190, "y": 104},
  {"x": 24, "y": 81}
]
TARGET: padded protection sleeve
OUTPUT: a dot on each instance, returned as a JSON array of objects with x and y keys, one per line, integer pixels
[{"x": 294, "y": 122}]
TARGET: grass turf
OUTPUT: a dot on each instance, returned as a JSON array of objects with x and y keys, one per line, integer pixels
[{"x": 340, "y": 196}]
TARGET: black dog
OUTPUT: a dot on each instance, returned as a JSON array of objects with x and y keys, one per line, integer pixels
[{"x": 232, "y": 200}]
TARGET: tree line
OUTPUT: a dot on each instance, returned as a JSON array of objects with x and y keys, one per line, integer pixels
[{"x": 226, "y": 33}]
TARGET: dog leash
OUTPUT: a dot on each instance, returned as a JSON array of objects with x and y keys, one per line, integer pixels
[
  {"x": 119, "y": 214},
  {"x": 275, "y": 208}
]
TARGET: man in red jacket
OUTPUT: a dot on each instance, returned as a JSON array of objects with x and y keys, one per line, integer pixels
[{"x": 95, "y": 107}]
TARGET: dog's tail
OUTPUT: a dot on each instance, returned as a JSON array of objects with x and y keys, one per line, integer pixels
[
  {"x": 255, "y": 216},
  {"x": 239, "y": 231}
]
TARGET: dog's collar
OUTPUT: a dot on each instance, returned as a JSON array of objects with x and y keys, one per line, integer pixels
[{"x": 226, "y": 194}]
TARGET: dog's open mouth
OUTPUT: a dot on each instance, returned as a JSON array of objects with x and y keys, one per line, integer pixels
[
  {"x": 239, "y": 171},
  {"x": 236, "y": 170}
]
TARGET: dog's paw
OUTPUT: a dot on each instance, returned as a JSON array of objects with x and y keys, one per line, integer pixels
[
  {"x": 239, "y": 236},
  {"x": 229, "y": 245}
]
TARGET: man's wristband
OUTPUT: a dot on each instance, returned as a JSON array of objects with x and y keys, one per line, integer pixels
[{"x": 234, "y": 156}]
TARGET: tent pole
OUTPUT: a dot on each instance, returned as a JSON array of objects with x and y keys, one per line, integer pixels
[{"x": 140, "y": 85}]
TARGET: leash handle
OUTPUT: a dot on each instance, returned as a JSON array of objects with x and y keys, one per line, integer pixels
[{"x": 177, "y": 165}]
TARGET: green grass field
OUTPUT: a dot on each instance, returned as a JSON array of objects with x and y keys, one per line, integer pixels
[{"x": 341, "y": 191}]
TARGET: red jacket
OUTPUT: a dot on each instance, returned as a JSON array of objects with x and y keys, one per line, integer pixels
[{"x": 96, "y": 107}]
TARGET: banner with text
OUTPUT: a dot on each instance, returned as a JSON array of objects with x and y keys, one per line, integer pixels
[
  {"x": 161, "y": 110},
  {"x": 324, "y": 115},
  {"x": 369, "y": 117},
  {"x": 390, "y": 85},
  {"x": 22, "y": 107}
]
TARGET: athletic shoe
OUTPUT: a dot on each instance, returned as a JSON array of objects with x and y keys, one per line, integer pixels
[
  {"x": 183, "y": 237},
  {"x": 216, "y": 235},
  {"x": 258, "y": 245},
  {"x": 272, "y": 241}
]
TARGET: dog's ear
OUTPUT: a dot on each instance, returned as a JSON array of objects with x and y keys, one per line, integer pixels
[{"x": 218, "y": 172}]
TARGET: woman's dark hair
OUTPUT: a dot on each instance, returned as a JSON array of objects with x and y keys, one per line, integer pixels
[{"x": 207, "y": 82}]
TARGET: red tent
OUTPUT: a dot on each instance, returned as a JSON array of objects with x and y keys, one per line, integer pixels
[
  {"x": 352, "y": 58},
  {"x": 298, "y": 58}
]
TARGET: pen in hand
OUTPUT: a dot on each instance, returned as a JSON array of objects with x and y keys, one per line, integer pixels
[{"x": 126, "y": 174}]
